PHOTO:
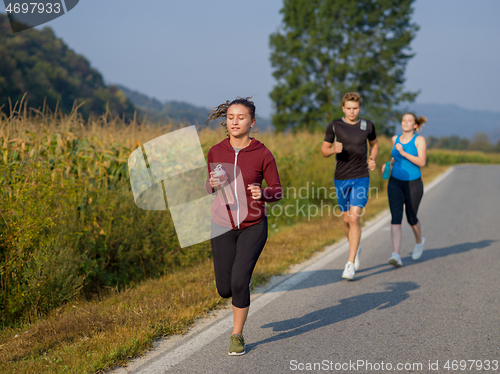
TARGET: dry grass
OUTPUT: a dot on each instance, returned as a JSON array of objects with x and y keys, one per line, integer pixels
[{"x": 90, "y": 336}]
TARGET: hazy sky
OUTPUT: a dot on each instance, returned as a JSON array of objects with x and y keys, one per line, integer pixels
[{"x": 207, "y": 51}]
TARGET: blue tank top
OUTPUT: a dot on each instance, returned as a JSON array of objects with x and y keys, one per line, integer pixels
[{"x": 403, "y": 168}]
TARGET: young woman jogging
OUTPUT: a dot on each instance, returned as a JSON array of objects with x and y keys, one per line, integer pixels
[
  {"x": 405, "y": 188},
  {"x": 239, "y": 222}
]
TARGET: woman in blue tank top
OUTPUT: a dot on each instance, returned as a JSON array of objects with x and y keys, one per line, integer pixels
[{"x": 405, "y": 188}]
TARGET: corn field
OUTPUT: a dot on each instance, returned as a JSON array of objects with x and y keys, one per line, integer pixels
[{"x": 69, "y": 226}]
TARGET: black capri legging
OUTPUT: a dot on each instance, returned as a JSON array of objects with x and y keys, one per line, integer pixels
[
  {"x": 235, "y": 254},
  {"x": 404, "y": 193}
]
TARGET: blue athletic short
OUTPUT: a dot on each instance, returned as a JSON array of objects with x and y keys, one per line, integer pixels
[{"x": 352, "y": 192}]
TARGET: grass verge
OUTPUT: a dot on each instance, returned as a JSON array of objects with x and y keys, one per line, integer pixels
[
  {"x": 91, "y": 336},
  {"x": 452, "y": 157}
]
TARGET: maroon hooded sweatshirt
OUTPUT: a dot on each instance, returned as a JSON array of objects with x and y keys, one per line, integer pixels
[{"x": 251, "y": 165}]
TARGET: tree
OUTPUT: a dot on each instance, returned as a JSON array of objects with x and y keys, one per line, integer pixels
[
  {"x": 326, "y": 48},
  {"x": 481, "y": 142},
  {"x": 432, "y": 141}
]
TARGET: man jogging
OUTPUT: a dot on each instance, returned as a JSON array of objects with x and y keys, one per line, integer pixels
[{"x": 347, "y": 139}]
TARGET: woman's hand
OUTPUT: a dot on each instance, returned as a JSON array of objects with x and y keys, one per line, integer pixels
[
  {"x": 255, "y": 190},
  {"x": 421, "y": 150},
  {"x": 214, "y": 182}
]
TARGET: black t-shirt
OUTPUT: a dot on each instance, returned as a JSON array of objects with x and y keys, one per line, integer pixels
[{"x": 351, "y": 162}]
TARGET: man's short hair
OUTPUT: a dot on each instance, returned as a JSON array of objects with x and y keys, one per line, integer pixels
[{"x": 351, "y": 96}]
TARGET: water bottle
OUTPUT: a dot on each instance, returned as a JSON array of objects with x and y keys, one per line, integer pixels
[
  {"x": 387, "y": 170},
  {"x": 224, "y": 189}
]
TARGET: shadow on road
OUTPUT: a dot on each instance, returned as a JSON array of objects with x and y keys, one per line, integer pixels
[
  {"x": 347, "y": 308},
  {"x": 318, "y": 278},
  {"x": 315, "y": 278},
  {"x": 429, "y": 254}
]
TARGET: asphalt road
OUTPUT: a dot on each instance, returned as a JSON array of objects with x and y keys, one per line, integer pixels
[{"x": 417, "y": 319}]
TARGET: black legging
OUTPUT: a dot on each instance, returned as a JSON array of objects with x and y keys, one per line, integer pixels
[
  {"x": 404, "y": 193},
  {"x": 235, "y": 254}
]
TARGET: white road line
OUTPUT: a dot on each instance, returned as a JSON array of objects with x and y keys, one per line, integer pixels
[
  {"x": 206, "y": 337},
  {"x": 439, "y": 179},
  {"x": 167, "y": 361}
]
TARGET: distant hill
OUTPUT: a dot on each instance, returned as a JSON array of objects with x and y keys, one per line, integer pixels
[
  {"x": 140, "y": 100},
  {"x": 39, "y": 63},
  {"x": 450, "y": 119},
  {"x": 175, "y": 111},
  {"x": 170, "y": 111}
]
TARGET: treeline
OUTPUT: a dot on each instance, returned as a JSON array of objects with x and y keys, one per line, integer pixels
[
  {"x": 40, "y": 65},
  {"x": 480, "y": 142}
]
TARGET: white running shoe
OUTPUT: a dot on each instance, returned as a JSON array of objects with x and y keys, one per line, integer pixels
[
  {"x": 419, "y": 249},
  {"x": 357, "y": 263},
  {"x": 349, "y": 271},
  {"x": 395, "y": 260}
]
